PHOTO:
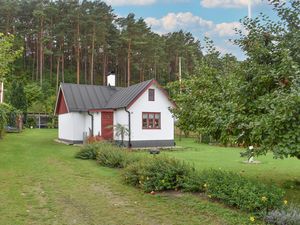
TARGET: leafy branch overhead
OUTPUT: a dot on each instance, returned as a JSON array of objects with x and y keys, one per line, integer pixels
[{"x": 254, "y": 102}]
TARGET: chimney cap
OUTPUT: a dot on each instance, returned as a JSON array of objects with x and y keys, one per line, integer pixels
[{"x": 111, "y": 79}]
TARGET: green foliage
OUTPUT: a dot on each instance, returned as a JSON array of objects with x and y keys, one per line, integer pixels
[
  {"x": 111, "y": 156},
  {"x": 89, "y": 151},
  {"x": 31, "y": 122},
  {"x": 121, "y": 131},
  {"x": 157, "y": 174},
  {"x": 8, "y": 116},
  {"x": 107, "y": 154},
  {"x": 194, "y": 182},
  {"x": 164, "y": 173},
  {"x": 3, "y": 119},
  {"x": 204, "y": 100},
  {"x": 254, "y": 102},
  {"x": 33, "y": 93},
  {"x": 238, "y": 191},
  {"x": 285, "y": 216},
  {"x": 18, "y": 97},
  {"x": 7, "y": 54}
]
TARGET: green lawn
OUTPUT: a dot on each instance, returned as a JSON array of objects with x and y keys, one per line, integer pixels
[
  {"x": 42, "y": 183},
  {"x": 283, "y": 172}
]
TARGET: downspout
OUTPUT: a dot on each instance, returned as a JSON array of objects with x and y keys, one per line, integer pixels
[
  {"x": 129, "y": 128},
  {"x": 92, "y": 122}
]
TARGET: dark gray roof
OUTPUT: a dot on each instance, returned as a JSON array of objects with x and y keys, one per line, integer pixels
[
  {"x": 125, "y": 96},
  {"x": 81, "y": 98}
]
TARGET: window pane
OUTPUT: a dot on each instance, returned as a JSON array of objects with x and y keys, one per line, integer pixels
[
  {"x": 151, "y": 121},
  {"x": 145, "y": 123},
  {"x": 156, "y": 123},
  {"x": 151, "y": 94}
]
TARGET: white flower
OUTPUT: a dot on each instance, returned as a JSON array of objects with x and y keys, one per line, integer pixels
[{"x": 251, "y": 147}]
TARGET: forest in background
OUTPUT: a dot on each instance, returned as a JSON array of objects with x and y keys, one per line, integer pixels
[
  {"x": 252, "y": 102},
  {"x": 82, "y": 41}
]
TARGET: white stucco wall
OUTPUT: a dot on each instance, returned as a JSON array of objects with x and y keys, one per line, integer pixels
[
  {"x": 121, "y": 117},
  {"x": 71, "y": 126},
  {"x": 65, "y": 126},
  {"x": 161, "y": 104},
  {"x": 97, "y": 123}
]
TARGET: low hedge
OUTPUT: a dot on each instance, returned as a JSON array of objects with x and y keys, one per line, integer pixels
[
  {"x": 164, "y": 173},
  {"x": 240, "y": 192},
  {"x": 88, "y": 151},
  {"x": 157, "y": 174},
  {"x": 161, "y": 173},
  {"x": 115, "y": 157},
  {"x": 107, "y": 154}
]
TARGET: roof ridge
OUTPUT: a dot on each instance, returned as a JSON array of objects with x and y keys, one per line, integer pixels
[{"x": 85, "y": 96}]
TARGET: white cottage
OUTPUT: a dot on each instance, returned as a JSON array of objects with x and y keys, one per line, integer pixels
[{"x": 143, "y": 108}]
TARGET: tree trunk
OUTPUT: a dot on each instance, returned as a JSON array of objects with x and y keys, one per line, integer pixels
[
  {"x": 24, "y": 55},
  {"x": 41, "y": 52},
  {"x": 155, "y": 69},
  {"x": 176, "y": 67},
  {"x": 57, "y": 72},
  {"x": 62, "y": 62},
  {"x": 92, "y": 56},
  {"x": 128, "y": 63},
  {"x": 85, "y": 67},
  {"x": 78, "y": 52},
  {"x": 51, "y": 64},
  {"x": 125, "y": 73},
  {"x": 33, "y": 66},
  {"x": 37, "y": 60},
  {"x": 7, "y": 25},
  {"x": 51, "y": 50},
  {"x": 104, "y": 68}
]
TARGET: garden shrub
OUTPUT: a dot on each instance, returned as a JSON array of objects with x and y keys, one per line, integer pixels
[
  {"x": 235, "y": 190},
  {"x": 193, "y": 182},
  {"x": 115, "y": 157},
  {"x": 31, "y": 122},
  {"x": 3, "y": 120},
  {"x": 286, "y": 216},
  {"x": 89, "y": 151},
  {"x": 157, "y": 173},
  {"x": 8, "y": 117}
]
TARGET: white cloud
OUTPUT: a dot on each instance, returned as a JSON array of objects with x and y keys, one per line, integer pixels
[
  {"x": 199, "y": 27},
  {"x": 226, "y": 29},
  {"x": 129, "y": 2},
  {"x": 176, "y": 21},
  {"x": 228, "y": 3},
  {"x": 188, "y": 21}
]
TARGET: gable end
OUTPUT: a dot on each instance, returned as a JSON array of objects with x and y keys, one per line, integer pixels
[
  {"x": 146, "y": 88},
  {"x": 61, "y": 106}
]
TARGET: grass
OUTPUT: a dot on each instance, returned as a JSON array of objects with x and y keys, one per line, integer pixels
[
  {"x": 42, "y": 183},
  {"x": 282, "y": 172}
]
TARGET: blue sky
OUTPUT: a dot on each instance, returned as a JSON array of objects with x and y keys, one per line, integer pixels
[{"x": 213, "y": 18}]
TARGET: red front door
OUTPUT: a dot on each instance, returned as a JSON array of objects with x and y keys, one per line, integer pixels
[{"x": 107, "y": 121}]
